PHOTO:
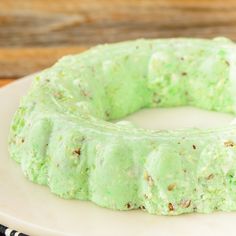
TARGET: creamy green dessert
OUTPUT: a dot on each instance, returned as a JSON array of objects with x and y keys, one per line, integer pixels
[{"x": 61, "y": 134}]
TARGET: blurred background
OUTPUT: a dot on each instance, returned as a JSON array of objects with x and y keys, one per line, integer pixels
[{"x": 35, "y": 33}]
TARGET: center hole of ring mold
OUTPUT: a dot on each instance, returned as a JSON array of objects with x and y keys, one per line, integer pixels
[{"x": 178, "y": 118}]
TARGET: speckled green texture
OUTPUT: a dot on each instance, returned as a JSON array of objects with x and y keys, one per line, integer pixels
[{"x": 61, "y": 136}]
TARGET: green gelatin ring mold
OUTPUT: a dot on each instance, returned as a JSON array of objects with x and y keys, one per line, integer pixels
[{"x": 61, "y": 136}]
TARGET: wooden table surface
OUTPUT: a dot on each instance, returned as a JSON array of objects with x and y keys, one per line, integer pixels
[{"x": 35, "y": 33}]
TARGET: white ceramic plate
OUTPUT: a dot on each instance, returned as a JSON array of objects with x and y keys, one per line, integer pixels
[{"x": 32, "y": 209}]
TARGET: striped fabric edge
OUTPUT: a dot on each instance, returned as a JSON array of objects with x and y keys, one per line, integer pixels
[{"x": 5, "y": 231}]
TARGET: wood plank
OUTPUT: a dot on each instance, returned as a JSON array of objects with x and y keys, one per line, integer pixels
[
  {"x": 55, "y": 23},
  {"x": 4, "y": 82},
  {"x": 18, "y": 62},
  {"x": 34, "y": 34}
]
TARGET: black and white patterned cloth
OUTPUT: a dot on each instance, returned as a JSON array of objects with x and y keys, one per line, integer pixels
[{"x": 5, "y": 231}]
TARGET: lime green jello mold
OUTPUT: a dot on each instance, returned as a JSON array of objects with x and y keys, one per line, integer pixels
[{"x": 61, "y": 136}]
